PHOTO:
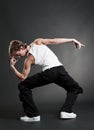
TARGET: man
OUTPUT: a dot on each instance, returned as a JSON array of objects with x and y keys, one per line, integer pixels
[{"x": 52, "y": 72}]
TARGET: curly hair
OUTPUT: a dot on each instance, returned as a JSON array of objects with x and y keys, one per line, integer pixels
[{"x": 15, "y": 45}]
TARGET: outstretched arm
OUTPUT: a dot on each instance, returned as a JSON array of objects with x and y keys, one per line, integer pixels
[{"x": 58, "y": 41}]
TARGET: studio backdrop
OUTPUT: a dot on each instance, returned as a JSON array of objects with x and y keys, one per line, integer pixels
[{"x": 27, "y": 20}]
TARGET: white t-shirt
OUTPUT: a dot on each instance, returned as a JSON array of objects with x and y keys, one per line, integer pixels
[{"x": 44, "y": 56}]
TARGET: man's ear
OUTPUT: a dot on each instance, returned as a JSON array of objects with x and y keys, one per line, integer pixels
[{"x": 25, "y": 45}]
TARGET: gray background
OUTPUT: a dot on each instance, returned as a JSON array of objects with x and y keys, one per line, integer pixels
[{"x": 27, "y": 20}]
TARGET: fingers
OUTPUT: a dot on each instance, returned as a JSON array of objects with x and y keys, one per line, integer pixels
[
  {"x": 80, "y": 45},
  {"x": 13, "y": 60},
  {"x": 83, "y": 45}
]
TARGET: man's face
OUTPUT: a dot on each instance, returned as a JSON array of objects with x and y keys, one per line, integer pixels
[{"x": 19, "y": 54}]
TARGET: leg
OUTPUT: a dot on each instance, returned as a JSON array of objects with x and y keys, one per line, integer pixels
[
  {"x": 72, "y": 87},
  {"x": 69, "y": 102},
  {"x": 28, "y": 104},
  {"x": 25, "y": 87}
]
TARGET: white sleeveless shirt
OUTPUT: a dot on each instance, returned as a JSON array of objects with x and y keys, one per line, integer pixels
[{"x": 44, "y": 56}]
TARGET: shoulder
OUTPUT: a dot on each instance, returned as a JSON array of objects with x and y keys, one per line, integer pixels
[
  {"x": 38, "y": 41},
  {"x": 30, "y": 59}
]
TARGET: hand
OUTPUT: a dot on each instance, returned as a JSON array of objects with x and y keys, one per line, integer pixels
[
  {"x": 13, "y": 61},
  {"x": 78, "y": 45}
]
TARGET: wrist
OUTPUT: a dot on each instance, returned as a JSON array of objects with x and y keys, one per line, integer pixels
[
  {"x": 73, "y": 40},
  {"x": 12, "y": 66}
]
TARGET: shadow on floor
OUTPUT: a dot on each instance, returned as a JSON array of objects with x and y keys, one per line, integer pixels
[{"x": 49, "y": 119}]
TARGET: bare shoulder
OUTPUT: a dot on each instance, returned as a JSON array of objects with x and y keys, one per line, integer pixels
[
  {"x": 38, "y": 41},
  {"x": 44, "y": 41},
  {"x": 30, "y": 59}
]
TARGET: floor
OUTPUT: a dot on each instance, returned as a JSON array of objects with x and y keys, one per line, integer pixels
[{"x": 49, "y": 119}]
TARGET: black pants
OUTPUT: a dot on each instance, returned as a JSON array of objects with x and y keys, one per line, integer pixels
[{"x": 57, "y": 75}]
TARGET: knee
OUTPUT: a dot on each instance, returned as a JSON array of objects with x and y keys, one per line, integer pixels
[
  {"x": 77, "y": 90},
  {"x": 21, "y": 86}
]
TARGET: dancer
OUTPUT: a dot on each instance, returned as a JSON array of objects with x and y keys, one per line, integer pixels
[{"x": 53, "y": 71}]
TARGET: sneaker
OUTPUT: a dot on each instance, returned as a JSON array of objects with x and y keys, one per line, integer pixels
[
  {"x": 66, "y": 115},
  {"x": 30, "y": 119}
]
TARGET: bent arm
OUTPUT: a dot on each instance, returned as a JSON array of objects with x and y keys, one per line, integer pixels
[
  {"x": 26, "y": 69},
  {"x": 58, "y": 41}
]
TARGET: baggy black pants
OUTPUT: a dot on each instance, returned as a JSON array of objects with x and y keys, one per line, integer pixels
[{"x": 57, "y": 75}]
